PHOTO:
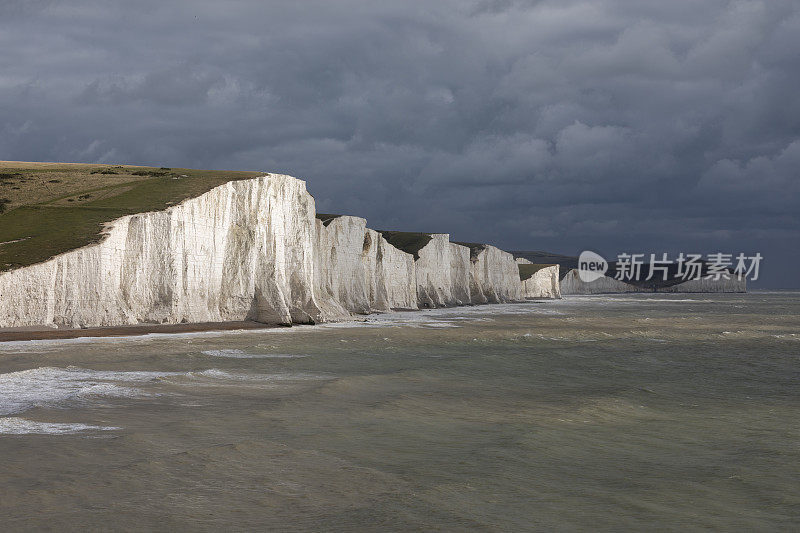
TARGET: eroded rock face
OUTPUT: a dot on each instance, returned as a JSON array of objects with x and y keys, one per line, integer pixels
[
  {"x": 733, "y": 284},
  {"x": 242, "y": 251},
  {"x": 494, "y": 277},
  {"x": 393, "y": 282},
  {"x": 442, "y": 273},
  {"x": 248, "y": 250},
  {"x": 572, "y": 284},
  {"x": 360, "y": 271},
  {"x": 543, "y": 283}
]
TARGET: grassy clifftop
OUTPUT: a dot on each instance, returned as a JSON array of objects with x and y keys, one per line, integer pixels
[
  {"x": 327, "y": 218},
  {"x": 408, "y": 241},
  {"x": 50, "y": 208},
  {"x": 527, "y": 271}
]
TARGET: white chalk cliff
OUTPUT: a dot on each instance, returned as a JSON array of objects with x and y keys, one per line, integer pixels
[
  {"x": 242, "y": 251},
  {"x": 494, "y": 276},
  {"x": 732, "y": 284},
  {"x": 442, "y": 273},
  {"x": 543, "y": 283},
  {"x": 247, "y": 250},
  {"x": 358, "y": 270},
  {"x": 573, "y": 284}
]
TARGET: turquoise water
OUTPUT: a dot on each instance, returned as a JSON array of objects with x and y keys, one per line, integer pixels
[{"x": 607, "y": 413}]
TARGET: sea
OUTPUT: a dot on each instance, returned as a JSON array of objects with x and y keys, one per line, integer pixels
[{"x": 644, "y": 412}]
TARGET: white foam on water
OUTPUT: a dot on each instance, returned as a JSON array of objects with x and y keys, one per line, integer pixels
[
  {"x": 453, "y": 317},
  {"x": 406, "y": 320},
  {"x": 605, "y": 299},
  {"x": 435, "y": 318},
  {"x": 13, "y": 425},
  {"x": 53, "y": 387},
  {"x": 44, "y": 345},
  {"x": 223, "y": 375},
  {"x": 241, "y": 354},
  {"x": 362, "y": 323},
  {"x": 446, "y": 317},
  {"x": 62, "y": 387},
  {"x": 539, "y": 336}
]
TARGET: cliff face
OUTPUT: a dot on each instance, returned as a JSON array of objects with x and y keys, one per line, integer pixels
[
  {"x": 244, "y": 250},
  {"x": 248, "y": 250},
  {"x": 543, "y": 284},
  {"x": 361, "y": 271},
  {"x": 494, "y": 277},
  {"x": 396, "y": 275},
  {"x": 709, "y": 285},
  {"x": 442, "y": 273},
  {"x": 572, "y": 284},
  {"x": 358, "y": 270}
]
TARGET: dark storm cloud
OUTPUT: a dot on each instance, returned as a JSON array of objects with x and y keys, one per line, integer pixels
[{"x": 618, "y": 125}]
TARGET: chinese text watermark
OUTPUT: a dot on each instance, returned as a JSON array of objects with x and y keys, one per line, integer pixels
[{"x": 685, "y": 267}]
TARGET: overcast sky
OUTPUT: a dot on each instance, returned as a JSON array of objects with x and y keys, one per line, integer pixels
[{"x": 559, "y": 125}]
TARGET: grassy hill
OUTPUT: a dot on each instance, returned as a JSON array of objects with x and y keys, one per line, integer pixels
[{"x": 50, "y": 208}]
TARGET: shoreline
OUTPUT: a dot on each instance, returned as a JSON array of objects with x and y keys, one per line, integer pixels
[
  {"x": 39, "y": 333},
  {"x": 134, "y": 330}
]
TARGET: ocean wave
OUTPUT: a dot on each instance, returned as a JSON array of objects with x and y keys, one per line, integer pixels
[
  {"x": 52, "y": 387},
  {"x": 225, "y": 375},
  {"x": 62, "y": 387},
  {"x": 59, "y": 387},
  {"x": 447, "y": 317},
  {"x": 559, "y": 338},
  {"x": 241, "y": 354},
  {"x": 424, "y": 318},
  {"x": 615, "y": 298},
  {"x": 13, "y": 425},
  {"x": 43, "y": 345}
]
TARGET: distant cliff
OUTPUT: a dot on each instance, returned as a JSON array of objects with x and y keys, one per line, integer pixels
[{"x": 570, "y": 283}]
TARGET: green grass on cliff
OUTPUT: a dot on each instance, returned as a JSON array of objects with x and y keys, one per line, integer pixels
[
  {"x": 527, "y": 271},
  {"x": 408, "y": 241},
  {"x": 327, "y": 218},
  {"x": 50, "y": 208},
  {"x": 475, "y": 248}
]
